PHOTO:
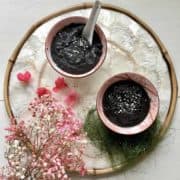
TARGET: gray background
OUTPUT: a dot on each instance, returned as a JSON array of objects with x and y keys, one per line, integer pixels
[{"x": 164, "y": 18}]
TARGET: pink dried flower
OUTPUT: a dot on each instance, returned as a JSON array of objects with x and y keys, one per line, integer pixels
[
  {"x": 17, "y": 131},
  {"x": 69, "y": 128},
  {"x": 70, "y": 111},
  {"x": 24, "y": 77},
  {"x": 42, "y": 90},
  {"x": 59, "y": 84},
  {"x": 49, "y": 145},
  {"x": 71, "y": 98}
]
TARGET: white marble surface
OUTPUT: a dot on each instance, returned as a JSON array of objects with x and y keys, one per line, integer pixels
[{"x": 162, "y": 15}]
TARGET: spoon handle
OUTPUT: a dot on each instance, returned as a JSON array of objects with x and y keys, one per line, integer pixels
[{"x": 88, "y": 30}]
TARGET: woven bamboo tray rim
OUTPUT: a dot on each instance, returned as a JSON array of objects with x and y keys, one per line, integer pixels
[{"x": 165, "y": 54}]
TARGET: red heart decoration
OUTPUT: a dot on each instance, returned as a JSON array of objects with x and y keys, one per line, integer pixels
[
  {"x": 24, "y": 77},
  {"x": 71, "y": 98},
  {"x": 59, "y": 84},
  {"x": 42, "y": 91}
]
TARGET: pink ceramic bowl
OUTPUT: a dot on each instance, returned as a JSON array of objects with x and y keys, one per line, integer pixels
[
  {"x": 60, "y": 25},
  {"x": 153, "y": 110}
]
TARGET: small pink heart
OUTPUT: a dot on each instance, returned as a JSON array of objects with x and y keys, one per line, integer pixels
[
  {"x": 59, "y": 84},
  {"x": 42, "y": 91},
  {"x": 71, "y": 98},
  {"x": 24, "y": 77}
]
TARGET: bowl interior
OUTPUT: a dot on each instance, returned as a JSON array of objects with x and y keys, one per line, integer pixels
[
  {"x": 153, "y": 110},
  {"x": 60, "y": 25}
]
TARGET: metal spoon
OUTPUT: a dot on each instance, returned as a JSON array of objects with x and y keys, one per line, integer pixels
[{"x": 88, "y": 30}]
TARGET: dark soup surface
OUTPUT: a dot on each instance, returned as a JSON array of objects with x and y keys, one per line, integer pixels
[
  {"x": 72, "y": 53},
  {"x": 126, "y": 103}
]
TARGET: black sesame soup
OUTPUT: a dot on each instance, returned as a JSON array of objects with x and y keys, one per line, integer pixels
[
  {"x": 126, "y": 103},
  {"x": 72, "y": 53}
]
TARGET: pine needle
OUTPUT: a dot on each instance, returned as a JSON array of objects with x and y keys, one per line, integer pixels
[{"x": 118, "y": 147}]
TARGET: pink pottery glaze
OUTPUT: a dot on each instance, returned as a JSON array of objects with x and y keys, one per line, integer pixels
[
  {"x": 153, "y": 110},
  {"x": 60, "y": 25}
]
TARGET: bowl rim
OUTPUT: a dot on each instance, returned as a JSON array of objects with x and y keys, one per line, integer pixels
[
  {"x": 153, "y": 110},
  {"x": 57, "y": 27}
]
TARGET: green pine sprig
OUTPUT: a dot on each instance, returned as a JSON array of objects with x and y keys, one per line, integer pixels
[{"x": 118, "y": 147}]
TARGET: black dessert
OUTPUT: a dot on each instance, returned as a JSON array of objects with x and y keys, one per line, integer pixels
[
  {"x": 72, "y": 53},
  {"x": 126, "y": 103}
]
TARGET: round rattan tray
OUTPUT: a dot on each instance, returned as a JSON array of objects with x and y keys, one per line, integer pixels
[{"x": 172, "y": 77}]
